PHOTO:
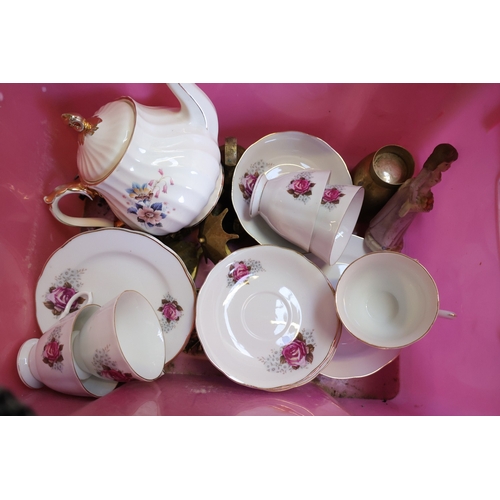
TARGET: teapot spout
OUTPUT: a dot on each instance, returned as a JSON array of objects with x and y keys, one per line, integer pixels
[{"x": 196, "y": 104}]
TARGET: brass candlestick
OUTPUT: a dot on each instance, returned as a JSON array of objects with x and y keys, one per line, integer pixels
[{"x": 388, "y": 227}]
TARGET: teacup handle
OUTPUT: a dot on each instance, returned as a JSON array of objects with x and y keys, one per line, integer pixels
[
  {"x": 73, "y": 299},
  {"x": 74, "y": 188},
  {"x": 446, "y": 314}
]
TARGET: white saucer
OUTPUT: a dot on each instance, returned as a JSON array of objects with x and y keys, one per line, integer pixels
[
  {"x": 110, "y": 260},
  {"x": 292, "y": 151},
  {"x": 353, "y": 358},
  {"x": 266, "y": 318}
]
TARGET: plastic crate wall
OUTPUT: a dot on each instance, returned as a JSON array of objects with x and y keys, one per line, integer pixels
[{"x": 454, "y": 370}]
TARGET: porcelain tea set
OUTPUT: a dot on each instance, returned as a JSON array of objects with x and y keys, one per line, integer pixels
[{"x": 115, "y": 304}]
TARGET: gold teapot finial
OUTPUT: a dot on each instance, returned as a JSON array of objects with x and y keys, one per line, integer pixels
[{"x": 81, "y": 125}]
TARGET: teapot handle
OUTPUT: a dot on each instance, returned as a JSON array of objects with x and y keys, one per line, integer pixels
[{"x": 74, "y": 188}]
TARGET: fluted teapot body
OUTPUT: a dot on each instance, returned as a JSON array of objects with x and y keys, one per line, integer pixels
[{"x": 158, "y": 169}]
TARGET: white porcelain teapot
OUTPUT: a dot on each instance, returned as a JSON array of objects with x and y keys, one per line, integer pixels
[{"x": 158, "y": 169}]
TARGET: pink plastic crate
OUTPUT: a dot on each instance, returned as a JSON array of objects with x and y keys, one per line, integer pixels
[{"x": 454, "y": 370}]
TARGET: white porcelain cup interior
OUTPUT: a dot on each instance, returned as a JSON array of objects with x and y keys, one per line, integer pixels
[
  {"x": 82, "y": 374},
  {"x": 289, "y": 202},
  {"x": 335, "y": 221},
  {"x": 124, "y": 338},
  {"x": 95, "y": 386},
  {"x": 387, "y": 299}
]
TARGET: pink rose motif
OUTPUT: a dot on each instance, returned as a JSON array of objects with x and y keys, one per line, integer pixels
[
  {"x": 297, "y": 354},
  {"x": 52, "y": 353},
  {"x": 170, "y": 311},
  {"x": 238, "y": 271},
  {"x": 331, "y": 195},
  {"x": 247, "y": 184},
  {"x": 58, "y": 297},
  {"x": 116, "y": 375},
  {"x": 300, "y": 186}
]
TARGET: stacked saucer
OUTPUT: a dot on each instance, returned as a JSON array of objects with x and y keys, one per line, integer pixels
[{"x": 266, "y": 318}]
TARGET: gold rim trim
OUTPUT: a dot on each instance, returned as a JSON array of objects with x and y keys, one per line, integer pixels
[
  {"x": 73, "y": 187},
  {"x": 366, "y": 374}
]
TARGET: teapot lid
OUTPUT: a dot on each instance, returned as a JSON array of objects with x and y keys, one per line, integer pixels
[{"x": 103, "y": 139}]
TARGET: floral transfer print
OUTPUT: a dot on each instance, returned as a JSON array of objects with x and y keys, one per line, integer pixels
[
  {"x": 331, "y": 196},
  {"x": 241, "y": 270},
  {"x": 171, "y": 313},
  {"x": 296, "y": 355},
  {"x": 142, "y": 199},
  {"x": 247, "y": 181},
  {"x": 64, "y": 287},
  {"x": 106, "y": 367},
  {"x": 301, "y": 186},
  {"x": 52, "y": 350}
]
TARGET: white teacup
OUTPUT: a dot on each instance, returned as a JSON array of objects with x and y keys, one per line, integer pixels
[
  {"x": 337, "y": 215},
  {"x": 387, "y": 300},
  {"x": 49, "y": 360},
  {"x": 123, "y": 340},
  {"x": 289, "y": 202}
]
